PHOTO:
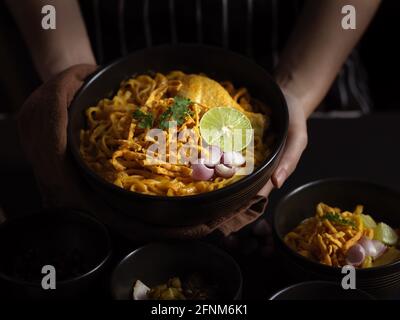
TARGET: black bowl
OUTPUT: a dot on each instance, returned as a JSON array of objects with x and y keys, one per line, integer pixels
[
  {"x": 75, "y": 244},
  {"x": 220, "y": 65},
  {"x": 155, "y": 263},
  {"x": 379, "y": 201},
  {"x": 319, "y": 290}
]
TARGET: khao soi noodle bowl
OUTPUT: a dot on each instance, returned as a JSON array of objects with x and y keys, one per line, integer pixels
[
  {"x": 175, "y": 134},
  {"x": 338, "y": 238}
]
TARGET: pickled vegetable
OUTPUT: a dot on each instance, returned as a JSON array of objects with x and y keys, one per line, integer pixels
[
  {"x": 385, "y": 234},
  {"x": 367, "y": 263},
  {"x": 193, "y": 287},
  {"x": 368, "y": 221}
]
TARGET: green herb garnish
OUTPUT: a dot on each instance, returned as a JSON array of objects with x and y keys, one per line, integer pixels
[
  {"x": 177, "y": 112},
  {"x": 334, "y": 217},
  {"x": 145, "y": 119}
]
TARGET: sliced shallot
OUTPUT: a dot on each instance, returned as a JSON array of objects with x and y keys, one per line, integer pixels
[
  {"x": 213, "y": 156},
  {"x": 233, "y": 158},
  {"x": 373, "y": 248},
  {"x": 201, "y": 172},
  {"x": 140, "y": 291},
  {"x": 224, "y": 171},
  {"x": 355, "y": 255},
  {"x": 369, "y": 247},
  {"x": 380, "y": 248}
]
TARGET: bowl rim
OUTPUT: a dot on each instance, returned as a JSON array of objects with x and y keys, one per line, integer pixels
[
  {"x": 324, "y": 181},
  {"x": 319, "y": 282},
  {"x": 241, "y": 182},
  {"x": 177, "y": 243},
  {"x": 77, "y": 213}
]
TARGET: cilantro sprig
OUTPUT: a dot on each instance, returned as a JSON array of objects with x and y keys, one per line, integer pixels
[
  {"x": 334, "y": 217},
  {"x": 145, "y": 120},
  {"x": 177, "y": 112}
]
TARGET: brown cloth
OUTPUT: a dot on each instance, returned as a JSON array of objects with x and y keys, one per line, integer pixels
[{"x": 43, "y": 124}]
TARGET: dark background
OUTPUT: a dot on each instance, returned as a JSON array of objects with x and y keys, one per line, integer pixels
[{"x": 379, "y": 51}]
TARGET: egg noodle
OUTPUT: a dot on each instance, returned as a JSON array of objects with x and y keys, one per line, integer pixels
[{"x": 116, "y": 143}]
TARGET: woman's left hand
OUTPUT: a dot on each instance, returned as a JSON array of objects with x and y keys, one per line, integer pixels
[
  {"x": 257, "y": 237},
  {"x": 296, "y": 141}
]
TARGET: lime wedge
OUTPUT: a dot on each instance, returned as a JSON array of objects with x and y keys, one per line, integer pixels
[
  {"x": 385, "y": 234},
  {"x": 227, "y": 128},
  {"x": 368, "y": 221}
]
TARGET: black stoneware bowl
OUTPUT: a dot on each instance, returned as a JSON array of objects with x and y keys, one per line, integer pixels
[
  {"x": 75, "y": 244},
  {"x": 380, "y": 202},
  {"x": 155, "y": 263},
  {"x": 319, "y": 290},
  {"x": 218, "y": 64}
]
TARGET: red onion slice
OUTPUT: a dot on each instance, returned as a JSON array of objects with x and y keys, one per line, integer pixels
[
  {"x": 201, "y": 172},
  {"x": 233, "y": 158},
  {"x": 369, "y": 247},
  {"x": 380, "y": 248},
  {"x": 224, "y": 171},
  {"x": 373, "y": 248},
  {"x": 213, "y": 156},
  {"x": 140, "y": 291},
  {"x": 355, "y": 255},
  {"x": 204, "y": 144}
]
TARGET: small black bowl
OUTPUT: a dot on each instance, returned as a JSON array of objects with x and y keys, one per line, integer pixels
[
  {"x": 380, "y": 202},
  {"x": 155, "y": 263},
  {"x": 319, "y": 290},
  {"x": 74, "y": 243},
  {"x": 216, "y": 63}
]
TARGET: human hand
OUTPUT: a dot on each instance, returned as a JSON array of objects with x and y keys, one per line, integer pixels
[
  {"x": 257, "y": 237},
  {"x": 296, "y": 141},
  {"x": 43, "y": 131}
]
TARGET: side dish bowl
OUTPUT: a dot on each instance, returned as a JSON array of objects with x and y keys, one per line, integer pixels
[
  {"x": 216, "y": 63},
  {"x": 75, "y": 244},
  {"x": 155, "y": 263},
  {"x": 380, "y": 202}
]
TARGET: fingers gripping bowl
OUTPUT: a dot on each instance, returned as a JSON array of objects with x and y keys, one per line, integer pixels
[{"x": 170, "y": 209}]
